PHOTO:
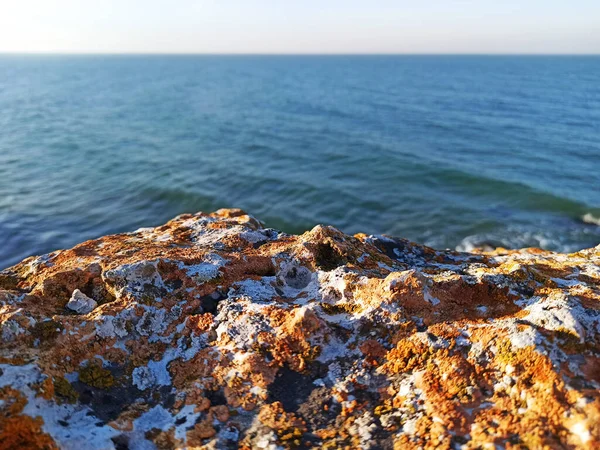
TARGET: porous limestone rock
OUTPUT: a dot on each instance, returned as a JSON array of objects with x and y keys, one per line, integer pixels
[{"x": 213, "y": 332}]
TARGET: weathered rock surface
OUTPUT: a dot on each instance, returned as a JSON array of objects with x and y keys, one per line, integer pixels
[{"x": 213, "y": 332}]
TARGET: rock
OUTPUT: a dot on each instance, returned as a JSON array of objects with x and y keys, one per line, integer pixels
[
  {"x": 81, "y": 303},
  {"x": 213, "y": 332}
]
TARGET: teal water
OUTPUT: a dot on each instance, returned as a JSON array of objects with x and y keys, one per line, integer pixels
[{"x": 450, "y": 151}]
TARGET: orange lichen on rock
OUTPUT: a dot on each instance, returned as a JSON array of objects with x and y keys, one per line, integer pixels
[
  {"x": 17, "y": 430},
  {"x": 212, "y": 331},
  {"x": 287, "y": 426},
  {"x": 24, "y": 432}
]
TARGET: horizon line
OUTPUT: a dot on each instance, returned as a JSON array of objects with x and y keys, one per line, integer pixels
[{"x": 93, "y": 53}]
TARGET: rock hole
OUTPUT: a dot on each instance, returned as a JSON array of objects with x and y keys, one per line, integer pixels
[
  {"x": 263, "y": 270},
  {"x": 174, "y": 284},
  {"x": 216, "y": 397},
  {"x": 297, "y": 277},
  {"x": 121, "y": 442},
  {"x": 328, "y": 257},
  {"x": 210, "y": 302}
]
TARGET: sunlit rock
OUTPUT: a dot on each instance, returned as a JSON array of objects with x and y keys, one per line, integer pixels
[{"x": 213, "y": 332}]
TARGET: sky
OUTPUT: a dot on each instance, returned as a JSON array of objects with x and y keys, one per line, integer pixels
[{"x": 302, "y": 26}]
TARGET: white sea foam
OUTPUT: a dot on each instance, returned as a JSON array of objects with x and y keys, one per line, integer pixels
[{"x": 589, "y": 218}]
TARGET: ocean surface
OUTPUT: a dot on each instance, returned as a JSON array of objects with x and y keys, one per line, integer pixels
[{"x": 450, "y": 151}]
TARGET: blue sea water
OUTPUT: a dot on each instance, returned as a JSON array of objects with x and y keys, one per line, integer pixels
[{"x": 450, "y": 151}]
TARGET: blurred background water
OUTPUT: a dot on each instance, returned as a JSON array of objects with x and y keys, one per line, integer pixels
[{"x": 450, "y": 151}]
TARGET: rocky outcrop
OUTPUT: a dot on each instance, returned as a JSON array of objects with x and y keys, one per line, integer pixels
[{"x": 214, "y": 332}]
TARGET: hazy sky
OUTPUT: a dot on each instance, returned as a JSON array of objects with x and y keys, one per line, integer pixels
[{"x": 303, "y": 26}]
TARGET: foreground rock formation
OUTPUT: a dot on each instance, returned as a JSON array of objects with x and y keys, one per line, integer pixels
[{"x": 214, "y": 332}]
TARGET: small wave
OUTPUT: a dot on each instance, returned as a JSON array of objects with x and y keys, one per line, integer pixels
[
  {"x": 589, "y": 218},
  {"x": 470, "y": 243},
  {"x": 513, "y": 238}
]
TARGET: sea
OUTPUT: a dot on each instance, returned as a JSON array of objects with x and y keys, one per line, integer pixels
[{"x": 449, "y": 151}]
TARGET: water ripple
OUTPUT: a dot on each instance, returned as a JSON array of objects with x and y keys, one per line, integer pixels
[{"x": 448, "y": 151}]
